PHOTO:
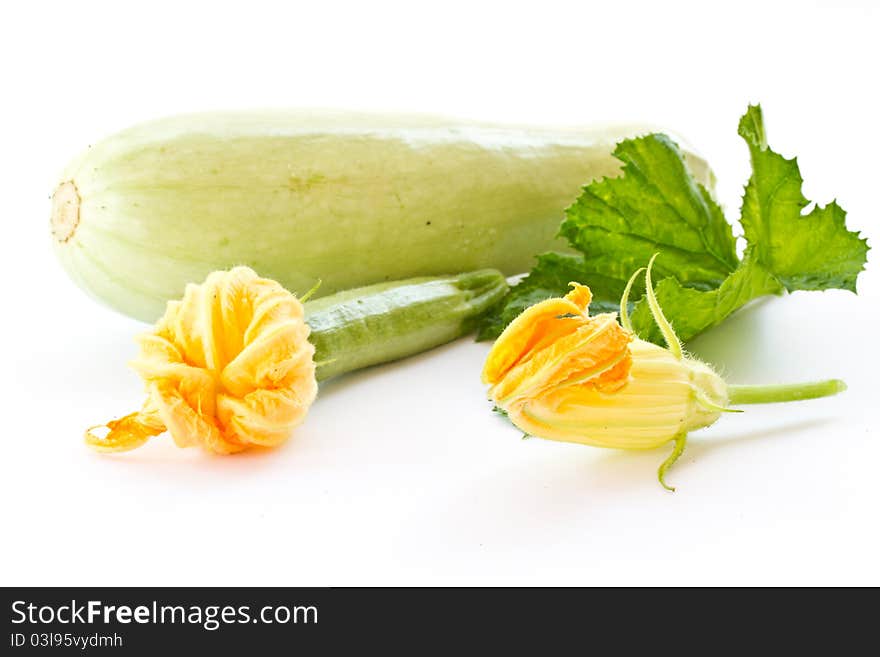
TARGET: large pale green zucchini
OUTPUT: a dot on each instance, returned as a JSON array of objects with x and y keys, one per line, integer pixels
[{"x": 349, "y": 199}]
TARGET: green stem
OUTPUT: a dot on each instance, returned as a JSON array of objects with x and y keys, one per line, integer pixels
[
  {"x": 784, "y": 393},
  {"x": 678, "y": 448}
]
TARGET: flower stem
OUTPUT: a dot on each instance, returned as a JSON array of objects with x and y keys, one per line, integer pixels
[
  {"x": 678, "y": 448},
  {"x": 784, "y": 393}
]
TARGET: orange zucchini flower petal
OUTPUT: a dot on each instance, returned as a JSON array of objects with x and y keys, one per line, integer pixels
[
  {"x": 227, "y": 367},
  {"x": 556, "y": 343}
]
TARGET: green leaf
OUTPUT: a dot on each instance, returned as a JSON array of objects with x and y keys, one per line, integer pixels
[
  {"x": 693, "y": 311},
  {"x": 805, "y": 252},
  {"x": 619, "y": 223},
  {"x": 550, "y": 278},
  {"x": 657, "y": 206}
]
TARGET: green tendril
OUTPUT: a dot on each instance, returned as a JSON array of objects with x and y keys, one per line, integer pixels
[
  {"x": 309, "y": 294},
  {"x": 709, "y": 405},
  {"x": 680, "y": 443},
  {"x": 624, "y": 301},
  {"x": 672, "y": 341}
]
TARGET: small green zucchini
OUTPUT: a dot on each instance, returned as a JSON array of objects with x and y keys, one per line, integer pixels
[{"x": 387, "y": 321}]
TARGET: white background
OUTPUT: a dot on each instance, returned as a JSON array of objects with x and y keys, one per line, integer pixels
[{"x": 401, "y": 475}]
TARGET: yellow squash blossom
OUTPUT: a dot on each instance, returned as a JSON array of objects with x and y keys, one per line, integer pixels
[
  {"x": 561, "y": 374},
  {"x": 227, "y": 367}
]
